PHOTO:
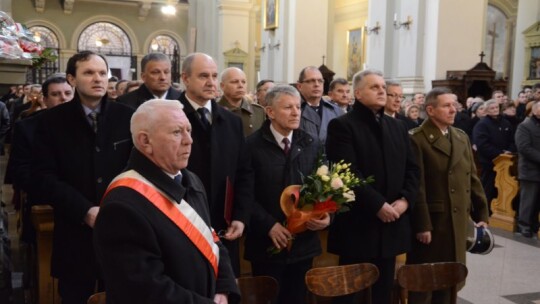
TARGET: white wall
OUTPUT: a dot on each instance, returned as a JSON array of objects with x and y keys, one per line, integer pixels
[{"x": 528, "y": 13}]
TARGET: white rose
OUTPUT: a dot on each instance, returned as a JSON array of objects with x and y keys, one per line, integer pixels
[
  {"x": 349, "y": 195},
  {"x": 322, "y": 170},
  {"x": 336, "y": 183}
]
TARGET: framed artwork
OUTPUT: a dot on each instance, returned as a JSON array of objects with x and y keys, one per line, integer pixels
[
  {"x": 355, "y": 54},
  {"x": 271, "y": 12},
  {"x": 534, "y": 72}
]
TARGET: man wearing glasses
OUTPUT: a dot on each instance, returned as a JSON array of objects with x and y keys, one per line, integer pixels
[{"x": 316, "y": 112}]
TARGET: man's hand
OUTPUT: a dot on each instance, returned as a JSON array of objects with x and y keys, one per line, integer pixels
[
  {"x": 387, "y": 213},
  {"x": 279, "y": 235},
  {"x": 90, "y": 217},
  {"x": 483, "y": 224},
  {"x": 319, "y": 224},
  {"x": 424, "y": 237},
  {"x": 234, "y": 231},
  {"x": 221, "y": 298},
  {"x": 400, "y": 205}
]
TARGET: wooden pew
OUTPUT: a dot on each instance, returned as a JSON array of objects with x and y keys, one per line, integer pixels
[
  {"x": 43, "y": 220},
  {"x": 507, "y": 185}
]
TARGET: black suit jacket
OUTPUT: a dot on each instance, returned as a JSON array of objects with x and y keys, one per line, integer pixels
[
  {"x": 145, "y": 257},
  {"x": 136, "y": 98},
  {"x": 217, "y": 155},
  {"x": 382, "y": 150},
  {"x": 73, "y": 168},
  {"x": 274, "y": 171}
]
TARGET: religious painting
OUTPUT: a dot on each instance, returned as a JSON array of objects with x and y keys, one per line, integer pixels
[
  {"x": 271, "y": 12},
  {"x": 535, "y": 63},
  {"x": 354, "y": 52}
]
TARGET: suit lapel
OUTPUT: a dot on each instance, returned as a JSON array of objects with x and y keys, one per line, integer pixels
[{"x": 436, "y": 139}]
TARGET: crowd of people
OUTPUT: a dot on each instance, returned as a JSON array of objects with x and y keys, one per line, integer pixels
[{"x": 152, "y": 186}]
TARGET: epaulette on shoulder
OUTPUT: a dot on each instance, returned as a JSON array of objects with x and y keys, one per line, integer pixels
[
  {"x": 414, "y": 131},
  {"x": 458, "y": 130}
]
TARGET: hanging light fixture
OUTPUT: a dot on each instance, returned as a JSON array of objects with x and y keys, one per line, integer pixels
[{"x": 168, "y": 10}]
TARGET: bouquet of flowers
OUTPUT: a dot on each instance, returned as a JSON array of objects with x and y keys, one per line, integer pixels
[{"x": 327, "y": 189}]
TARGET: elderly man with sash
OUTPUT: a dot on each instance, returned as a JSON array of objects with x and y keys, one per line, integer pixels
[{"x": 153, "y": 237}]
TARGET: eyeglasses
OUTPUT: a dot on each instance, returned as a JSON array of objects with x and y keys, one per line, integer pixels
[
  {"x": 313, "y": 81},
  {"x": 395, "y": 96}
]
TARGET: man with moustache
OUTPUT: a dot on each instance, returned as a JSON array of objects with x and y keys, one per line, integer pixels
[
  {"x": 377, "y": 228},
  {"x": 281, "y": 154},
  {"x": 233, "y": 84},
  {"x": 450, "y": 191},
  {"x": 153, "y": 237},
  {"x": 218, "y": 153},
  {"x": 156, "y": 76},
  {"x": 316, "y": 112},
  {"x": 80, "y": 147}
]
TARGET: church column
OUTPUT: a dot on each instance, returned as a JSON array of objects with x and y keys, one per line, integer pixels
[
  {"x": 204, "y": 31},
  {"x": 528, "y": 14}
]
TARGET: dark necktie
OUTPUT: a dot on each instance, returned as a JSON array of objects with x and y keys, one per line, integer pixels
[
  {"x": 287, "y": 146},
  {"x": 204, "y": 120},
  {"x": 178, "y": 179},
  {"x": 93, "y": 118}
]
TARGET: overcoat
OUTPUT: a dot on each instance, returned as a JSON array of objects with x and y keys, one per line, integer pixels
[
  {"x": 380, "y": 149},
  {"x": 450, "y": 193},
  {"x": 73, "y": 166},
  {"x": 137, "y": 97},
  {"x": 145, "y": 257}
]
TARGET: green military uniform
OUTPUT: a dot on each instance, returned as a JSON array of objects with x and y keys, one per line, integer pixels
[
  {"x": 450, "y": 191},
  {"x": 252, "y": 115}
]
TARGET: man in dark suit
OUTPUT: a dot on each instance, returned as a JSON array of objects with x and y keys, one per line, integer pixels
[
  {"x": 81, "y": 146},
  {"x": 377, "y": 228},
  {"x": 281, "y": 154},
  {"x": 153, "y": 237},
  {"x": 55, "y": 91},
  {"x": 218, "y": 153},
  {"x": 450, "y": 191},
  {"x": 156, "y": 75}
]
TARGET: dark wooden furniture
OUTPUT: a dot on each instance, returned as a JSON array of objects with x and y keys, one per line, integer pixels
[
  {"x": 258, "y": 290},
  {"x": 97, "y": 298},
  {"x": 431, "y": 277},
  {"x": 480, "y": 81},
  {"x": 342, "y": 280}
]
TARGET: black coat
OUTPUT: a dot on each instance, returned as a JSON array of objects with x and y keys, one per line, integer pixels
[
  {"x": 136, "y": 98},
  {"x": 73, "y": 167},
  {"x": 492, "y": 136},
  {"x": 145, "y": 257},
  {"x": 381, "y": 150},
  {"x": 217, "y": 155},
  {"x": 273, "y": 172}
]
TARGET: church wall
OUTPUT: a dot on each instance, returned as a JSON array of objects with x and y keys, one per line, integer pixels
[
  {"x": 84, "y": 13},
  {"x": 460, "y": 35}
]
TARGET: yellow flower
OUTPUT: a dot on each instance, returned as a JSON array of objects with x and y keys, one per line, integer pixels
[
  {"x": 325, "y": 178},
  {"x": 349, "y": 196}
]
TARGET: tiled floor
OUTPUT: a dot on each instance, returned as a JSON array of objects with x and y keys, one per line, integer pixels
[{"x": 509, "y": 274}]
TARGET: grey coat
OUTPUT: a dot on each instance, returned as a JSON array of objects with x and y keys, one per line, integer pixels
[
  {"x": 527, "y": 140},
  {"x": 313, "y": 124}
]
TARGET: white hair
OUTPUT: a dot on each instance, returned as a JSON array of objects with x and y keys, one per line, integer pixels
[{"x": 147, "y": 116}]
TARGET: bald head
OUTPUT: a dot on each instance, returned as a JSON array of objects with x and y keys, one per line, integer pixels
[
  {"x": 199, "y": 75},
  {"x": 234, "y": 85}
]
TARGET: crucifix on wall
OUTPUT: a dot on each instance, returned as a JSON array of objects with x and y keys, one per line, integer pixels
[{"x": 494, "y": 35}]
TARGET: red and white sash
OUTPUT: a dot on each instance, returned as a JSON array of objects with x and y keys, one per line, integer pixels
[{"x": 183, "y": 215}]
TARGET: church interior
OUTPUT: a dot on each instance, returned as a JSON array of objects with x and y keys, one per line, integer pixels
[{"x": 473, "y": 47}]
